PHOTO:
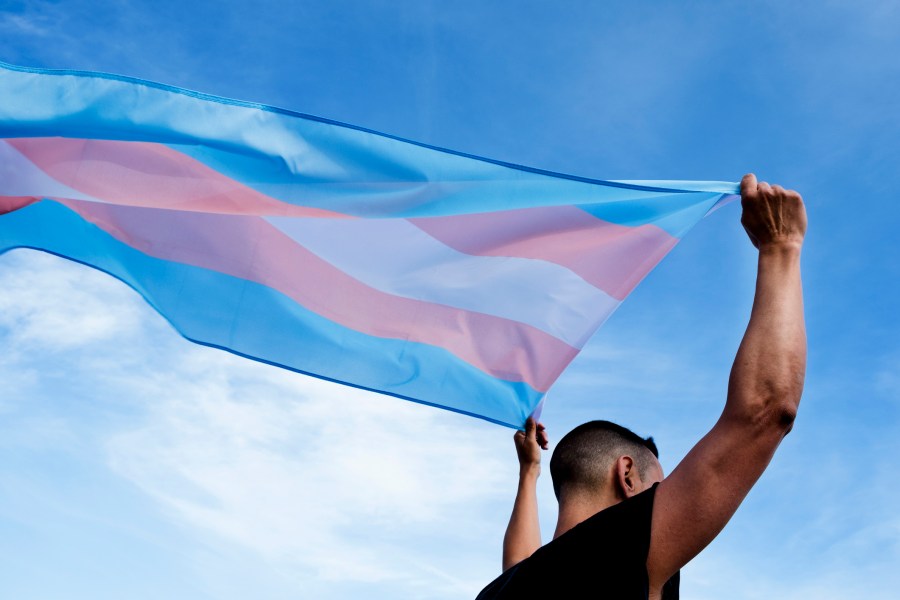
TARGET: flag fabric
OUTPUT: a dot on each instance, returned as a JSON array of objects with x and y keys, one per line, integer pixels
[{"x": 339, "y": 252}]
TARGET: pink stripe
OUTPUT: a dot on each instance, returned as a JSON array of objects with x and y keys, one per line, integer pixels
[
  {"x": 250, "y": 248},
  {"x": 614, "y": 258},
  {"x": 11, "y": 203},
  {"x": 150, "y": 174}
]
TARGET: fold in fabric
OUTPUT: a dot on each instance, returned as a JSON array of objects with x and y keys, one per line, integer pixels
[{"x": 342, "y": 253}]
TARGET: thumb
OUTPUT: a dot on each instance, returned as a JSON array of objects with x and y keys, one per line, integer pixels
[
  {"x": 748, "y": 185},
  {"x": 530, "y": 428}
]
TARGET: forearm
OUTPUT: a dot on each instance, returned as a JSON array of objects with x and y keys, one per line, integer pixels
[
  {"x": 523, "y": 535},
  {"x": 767, "y": 377}
]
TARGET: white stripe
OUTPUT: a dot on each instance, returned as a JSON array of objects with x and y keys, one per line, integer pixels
[
  {"x": 20, "y": 177},
  {"x": 396, "y": 257}
]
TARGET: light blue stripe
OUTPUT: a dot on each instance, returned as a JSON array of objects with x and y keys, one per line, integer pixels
[
  {"x": 675, "y": 213},
  {"x": 258, "y": 322},
  {"x": 305, "y": 160}
]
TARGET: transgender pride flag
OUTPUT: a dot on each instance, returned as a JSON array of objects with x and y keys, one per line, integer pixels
[{"x": 447, "y": 279}]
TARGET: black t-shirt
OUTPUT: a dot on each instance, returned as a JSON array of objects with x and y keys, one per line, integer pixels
[{"x": 602, "y": 558}]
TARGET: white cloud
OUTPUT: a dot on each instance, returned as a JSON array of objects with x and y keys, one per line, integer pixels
[
  {"x": 291, "y": 467},
  {"x": 19, "y": 24},
  {"x": 50, "y": 306},
  {"x": 311, "y": 477}
]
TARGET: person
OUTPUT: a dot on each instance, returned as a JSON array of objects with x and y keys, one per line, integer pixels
[{"x": 625, "y": 530}]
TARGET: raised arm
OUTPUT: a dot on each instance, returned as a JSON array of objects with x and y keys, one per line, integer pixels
[
  {"x": 695, "y": 502},
  {"x": 523, "y": 534}
]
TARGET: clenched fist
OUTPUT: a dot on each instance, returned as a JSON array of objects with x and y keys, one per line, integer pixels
[{"x": 771, "y": 215}]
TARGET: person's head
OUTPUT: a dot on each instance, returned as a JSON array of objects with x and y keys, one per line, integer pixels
[{"x": 600, "y": 456}]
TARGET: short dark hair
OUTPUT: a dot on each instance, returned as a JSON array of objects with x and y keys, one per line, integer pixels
[{"x": 583, "y": 457}]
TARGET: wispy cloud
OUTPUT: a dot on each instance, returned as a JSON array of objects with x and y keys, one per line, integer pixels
[
  {"x": 291, "y": 468},
  {"x": 50, "y": 306},
  {"x": 341, "y": 485},
  {"x": 32, "y": 21}
]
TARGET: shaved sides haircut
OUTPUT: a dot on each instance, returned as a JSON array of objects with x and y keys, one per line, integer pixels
[{"x": 582, "y": 459}]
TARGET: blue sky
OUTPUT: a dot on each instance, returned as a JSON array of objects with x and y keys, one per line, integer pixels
[{"x": 136, "y": 465}]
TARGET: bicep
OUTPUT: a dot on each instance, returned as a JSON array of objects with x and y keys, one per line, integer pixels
[{"x": 697, "y": 499}]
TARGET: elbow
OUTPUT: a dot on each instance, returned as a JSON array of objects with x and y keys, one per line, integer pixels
[
  {"x": 775, "y": 410},
  {"x": 784, "y": 416},
  {"x": 768, "y": 403},
  {"x": 785, "y": 401},
  {"x": 764, "y": 419},
  {"x": 778, "y": 413}
]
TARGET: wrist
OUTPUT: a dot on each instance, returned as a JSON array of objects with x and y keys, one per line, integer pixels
[
  {"x": 529, "y": 470},
  {"x": 781, "y": 248}
]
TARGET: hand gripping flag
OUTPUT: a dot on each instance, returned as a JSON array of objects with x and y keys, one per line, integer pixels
[{"x": 350, "y": 255}]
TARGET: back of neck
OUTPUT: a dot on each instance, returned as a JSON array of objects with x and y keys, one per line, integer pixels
[{"x": 576, "y": 508}]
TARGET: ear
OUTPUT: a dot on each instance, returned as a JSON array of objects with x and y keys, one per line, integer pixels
[{"x": 626, "y": 478}]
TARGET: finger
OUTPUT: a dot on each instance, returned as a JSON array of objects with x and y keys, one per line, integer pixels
[
  {"x": 530, "y": 427},
  {"x": 542, "y": 438},
  {"x": 763, "y": 188},
  {"x": 748, "y": 185}
]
